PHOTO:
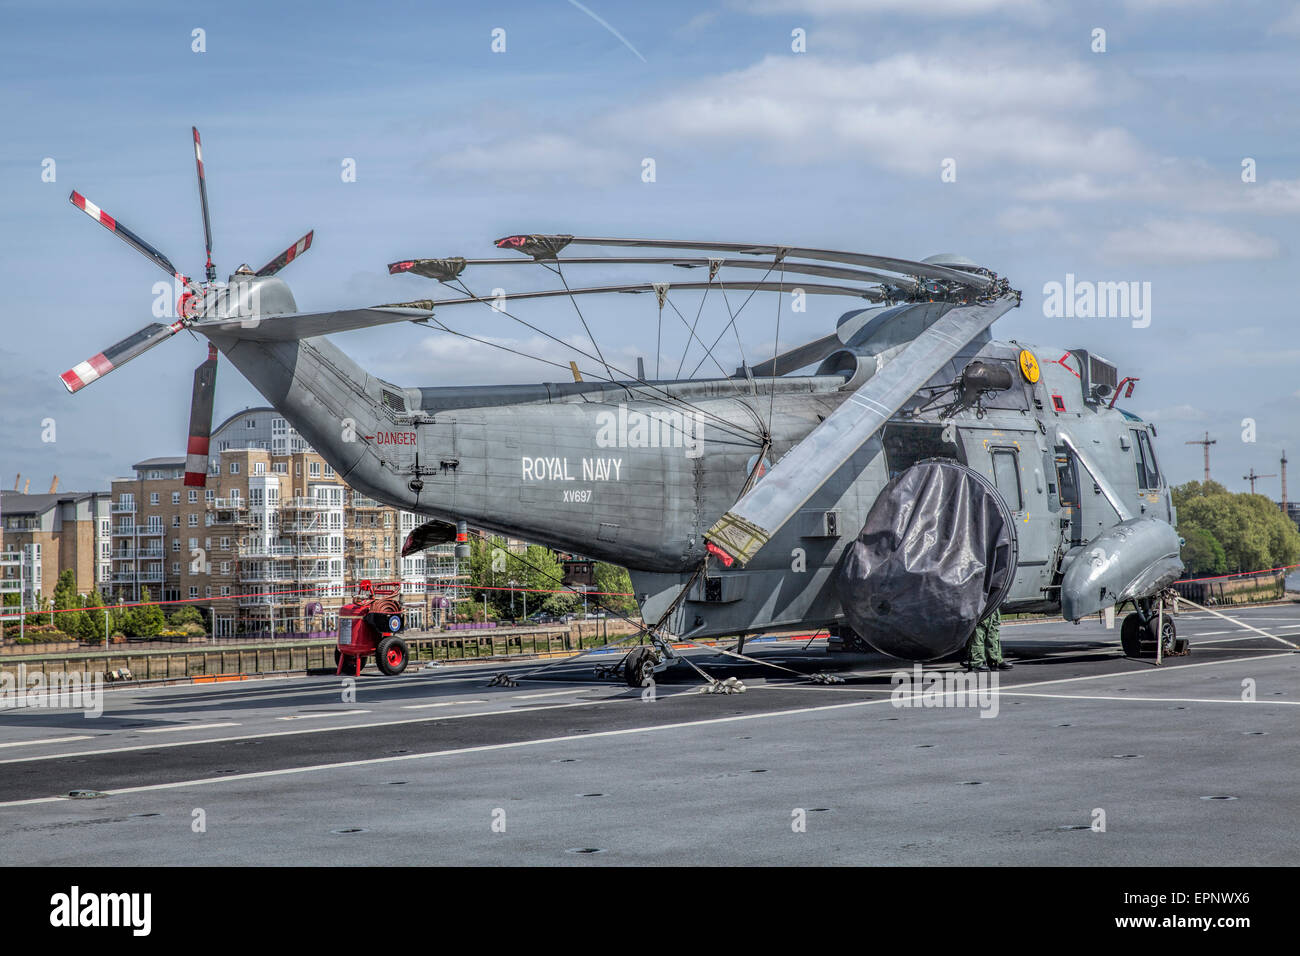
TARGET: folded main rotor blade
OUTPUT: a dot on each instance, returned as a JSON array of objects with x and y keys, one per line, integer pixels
[
  {"x": 115, "y": 356},
  {"x": 130, "y": 238},
  {"x": 286, "y": 257},
  {"x": 536, "y": 246},
  {"x": 638, "y": 288},
  {"x": 446, "y": 269},
  {"x": 301, "y": 325},
  {"x": 210, "y": 269},
  {"x": 201, "y": 401},
  {"x": 760, "y": 514}
]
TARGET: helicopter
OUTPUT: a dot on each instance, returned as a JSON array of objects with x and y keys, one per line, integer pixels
[{"x": 894, "y": 481}]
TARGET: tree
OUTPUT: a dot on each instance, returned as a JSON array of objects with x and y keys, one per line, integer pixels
[
  {"x": 146, "y": 620},
  {"x": 66, "y": 599},
  {"x": 185, "y": 614},
  {"x": 1252, "y": 530},
  {"x": 537, "y": 572},
  {"x": 93, "y": 628},
  {"x": 614, "y": 581},
  {"x": 1202, "y": 553}
]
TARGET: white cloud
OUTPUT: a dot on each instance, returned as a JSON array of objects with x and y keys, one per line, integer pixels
[
  {"x": 906, "y": 111},
  {"x": 539, "y": 156},
  {"x": 920, "y": 8},
  {"x": 1186, "y": 241},
  {"x": 1030, "y": 218},
  {"x": 1175, "y": 413}
]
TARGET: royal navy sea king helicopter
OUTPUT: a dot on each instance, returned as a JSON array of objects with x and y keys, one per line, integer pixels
[{"x": 895, "y": 480}]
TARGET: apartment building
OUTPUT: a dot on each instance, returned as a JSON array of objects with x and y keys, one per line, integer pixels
[
  {"x": 55, "y": 532},
  {"x": 276, "y": 542}
]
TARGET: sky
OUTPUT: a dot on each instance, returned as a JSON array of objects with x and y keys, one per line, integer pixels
[{"x": 1007, "y": 131}]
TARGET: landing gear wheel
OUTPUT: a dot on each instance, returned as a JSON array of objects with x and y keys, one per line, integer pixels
[
  {"x": 1168, "y": 637},
  {"x": 1132, "y": 633},
  {"x": 639, "y": 667},
  {"x": 392, "y": 656}
]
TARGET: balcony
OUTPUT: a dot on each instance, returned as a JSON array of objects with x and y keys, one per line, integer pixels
[
  {"x": 268, "y": 577},
  {"x": 120, "y": 508},
  {"x": 139, "y": 530},
  {"x": 228, "y": 504},
  {"x": 279, "y": 600},
  {"x": 312, "y": 504},
  {"x": 264, "y": 551}
]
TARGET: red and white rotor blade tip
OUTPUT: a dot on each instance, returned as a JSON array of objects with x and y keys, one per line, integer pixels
[
  {"x": 286, "y": 257},
  {"x": 129, "y": 237},
  {"x": 196, "y": 449},
  {"x": 115, "y": 356}
]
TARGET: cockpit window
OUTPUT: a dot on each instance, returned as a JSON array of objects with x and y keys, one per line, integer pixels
[{"x": 1144, "y": 456}]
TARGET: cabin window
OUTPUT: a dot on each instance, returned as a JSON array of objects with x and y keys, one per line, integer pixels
[
  {"x": 1068, "y": 481},
  {"x": 1144, "y": 456},
  {"x": 1006, "y": 475}
]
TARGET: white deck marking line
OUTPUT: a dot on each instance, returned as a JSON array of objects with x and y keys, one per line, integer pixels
[
  {"x": 553, "y": 693},
  {"x": 514, "y": 712},
  {"x": 592, "y": 703},
  {"x": 488, "y": 748},
  {"x": 1157, "y": 700},
  {"x": 335, "y": 713},
  {"x": 1115, "y": 675},
  {"x": 51, "y": 740},
  {"x": 442, "y": 703},
  {"x": 482, "y": 748},
  {"x": 168, "y": 730}
]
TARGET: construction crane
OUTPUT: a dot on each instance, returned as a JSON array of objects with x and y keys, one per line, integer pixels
[
  {"x": 1207, "y": 441},
  {"x": 1284, "y": 511},
  {"x": 1252, "y": 478}
]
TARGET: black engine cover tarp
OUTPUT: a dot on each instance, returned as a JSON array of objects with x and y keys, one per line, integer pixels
[{"x": 936, "y": 554}]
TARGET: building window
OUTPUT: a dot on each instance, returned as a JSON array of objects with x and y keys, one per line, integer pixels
[
  {"x": 194, "y": 590},
  {"x": 259, "y": 468},
  {"x": 194, "y": 495},
  {"x": 250, "y": 422},
  {"x": 209, "y": 495},
  {"x": 234, "y": 467},
  {"x": 176, "y": 497},
  {"x": 207, "y": 591},
  {"x": 314, "y": 469},
  {"x": 176, "y": 521},
  {"x": 280, "y": 467},
  {"x": 176, "y": 545},
  {"x": 329, "y": 470},
  {"x": 153, "y": 497},
  {"x": 193, "y": 521},
  {"x": 225, "y": 567},
  {"x": 225, "y": 544},
  {"x": 194, "y": 543}
]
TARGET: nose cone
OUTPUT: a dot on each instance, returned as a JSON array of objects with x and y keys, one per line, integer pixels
[
  {"x": 1135, "y": 558},
  {"x": 937, "y": 552}
]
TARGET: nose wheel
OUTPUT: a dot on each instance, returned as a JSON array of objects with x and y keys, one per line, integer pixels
[{"x": 1138, "y": 636}]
